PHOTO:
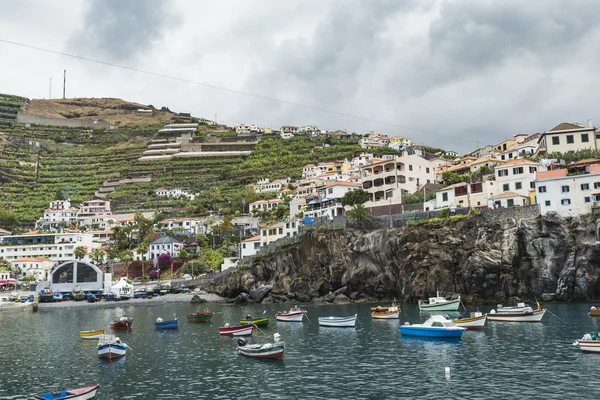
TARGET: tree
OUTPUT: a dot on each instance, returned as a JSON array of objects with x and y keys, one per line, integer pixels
[
  {"x": 282, "y": 211},
  {"x": 9, "y": 220},
  {"x": 97, "y": 256},
  {"x": 80, "y": 252},
  {"x": 359, "y": 213},
  {"x": 143, "y": 225},
  {"x": 226, "y": 226},
  {"x": 126, "y": 256},
  {"x": 184, "y": 256},
  {"x": 202, "y": 240},
  {"x": 194, "y": 268},
  {"x": 211, "y": 258},
  {"x": 121, "y": 238},
  {"x": 354, "y": 197},
  {"x": 143, "y": 248}
]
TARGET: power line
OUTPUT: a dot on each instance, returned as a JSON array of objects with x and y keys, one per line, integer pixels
[{"x": 240, "y": 92}]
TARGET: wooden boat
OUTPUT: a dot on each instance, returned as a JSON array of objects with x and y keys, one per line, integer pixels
[
  {"x": 589, "y": 343},
  {"x": 476, "y": 321},
  {"x": 200, "y": 317},
  {"x": 78, "y": 294},
  {"x": 594, "y": 311},
  {"x": 91, "y": 334},
  {"x": 520, "y": 307},
  {"x": 294, "y": 315},
  {"x": 110, "y": 346},
  {"x": 439, "y": 304},
  {"x": 389, "y": 312},
  {"x": 122, "y": 323},
  {"x": 70, "y": 394},
  {"x": 264, "y": 321},
  {"x": 46, "y": 296},
  {"x": 170, "y": 324},
  {"x": 436, "y": 326},
  {"x": 527, "y": 314},
  {"x": 267, "y": 350},
  {"x": 239, "y": 330},
  {"x": 339, "y": 322}
]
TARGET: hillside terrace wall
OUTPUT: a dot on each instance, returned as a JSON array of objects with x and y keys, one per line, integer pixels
[
  {"x": 37, "y": 120},
  {"x": 202, "y": 147}
]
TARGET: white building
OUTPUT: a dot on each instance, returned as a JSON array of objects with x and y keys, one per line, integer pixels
[
  {"x": 286, "y": 135},
  {"x": 568, "y": 195},
  {"x": 459, "y": 194},
  {"x": 94, "y": 208},
  {"x": 271, "y": 233},
  {"x": 164, "y": 192},
  {"x": 39, "y": 267},
  {"x": 246, "y": 129},
  {"x": 189, "y": 226},
  {"x": 55, "y": 246},
  {"x": 75, "y": 274},
  {"x": 515, "y": 180},
  {"x": 310, "y": 171},
  {"x": 250, "y": 246},
  {"x": 164, "y": 245},
  {"x": 265, "y": 205}
]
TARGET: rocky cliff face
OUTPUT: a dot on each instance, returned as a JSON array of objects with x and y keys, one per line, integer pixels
[{"x": 485, "y": 257}]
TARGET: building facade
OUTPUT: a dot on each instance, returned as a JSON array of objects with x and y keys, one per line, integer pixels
[{"x": 568, "y": 195}]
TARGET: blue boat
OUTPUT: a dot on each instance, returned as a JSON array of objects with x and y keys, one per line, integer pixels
[
  {"x": 71, "y": 394},
  {"x": 436, "y": 326},
  {"x": 170, "y": 324}
]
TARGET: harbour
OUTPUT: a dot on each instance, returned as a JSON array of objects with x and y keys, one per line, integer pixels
[{"x": 42, "y": 351}]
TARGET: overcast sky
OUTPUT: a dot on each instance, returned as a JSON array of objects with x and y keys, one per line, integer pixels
[{"x": 474, "y": 72}]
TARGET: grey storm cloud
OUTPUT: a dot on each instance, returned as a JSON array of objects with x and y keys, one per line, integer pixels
[{"x": 120, "y": 30}]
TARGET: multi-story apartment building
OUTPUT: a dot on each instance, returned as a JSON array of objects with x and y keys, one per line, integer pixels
[
  {"x": 569, "y": 137},
  {"x": 93, "y": 208},
  {"x": 265, "y": 205},
  {"x": 55, "y": 246},
  {"x": 515, "y": 183},
  {"x": 457, "y": 195}
]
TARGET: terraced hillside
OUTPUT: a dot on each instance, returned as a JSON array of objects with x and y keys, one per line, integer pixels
[{"x": 9, "y": 107}]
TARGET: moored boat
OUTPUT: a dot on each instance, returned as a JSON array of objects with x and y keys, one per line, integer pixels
[
  {"x": 71, "y": 394},
  {"x": 294, "y": 315},
  {"x": 589, "y": 343},
  {"x": 528, "y": 314},
  {"x": 439, "y": 303},
  {"x": 170, "y": 324},
  {"x": 436, "y": 326},
  {"x": 594, "y": 311},
  {"x": 267, "y": 350},
  {"x": 339, "y": 322},
  {"x": 78, "y": 294},
  {"x": 200, "y": 316},
  {"x": 476, "y": 321},
  {"x": 520, "y": 307},
  {"x": 46, "y": 295},
  {"x": 264, "y": 321},
  {"x": 239, "y": 330},
  {"x": 122, "y": 323},
  {"x": 92, "y": 334},
  {"x": 389, "y": 312},
  {"x": 110, "y": 346}
]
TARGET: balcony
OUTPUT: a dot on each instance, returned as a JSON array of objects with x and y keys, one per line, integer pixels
[
  {"x": 367, "y": 185},
  {"x": 378, "y": 182}
]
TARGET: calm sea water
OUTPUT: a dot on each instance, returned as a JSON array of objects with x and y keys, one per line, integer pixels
[{"x": 42, "y": 351}]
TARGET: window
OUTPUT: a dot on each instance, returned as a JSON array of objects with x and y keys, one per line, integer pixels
[
  {"x": 281, "y": 231},
  {"x": 585, "y": 186},
  {"x": 518, "y": 185},
  {"x": 503, "y": 172},
  {"x": 564, "y": 189},
  {"x": 596, "y": 185},
  {"x": 542, "y": 189},
  {"x": 532, "y": 185},
  {"x": 476, "y": 188},
  {"x": 565, "y": 202},
  {"x": 410, "y": 167},
  {"x": 517, "y": 171},
  {"x": 532, "y": 170},
  {"x": 598, "y": 136},
  {"x": 505, "y": 187},
  {"x": 445, "y": 196},
  {"x": 570, "y": 139},
  {"x": 502, "y": 157},
  {"x": 460, "y": 191},
  {"x": 587, "y": 199},
  {"x": 510, "y": 202},
  {"x": 555, "y": 140},
  {"x": 427, "y": 169},
  {"x": 585, "y": 138},
  {"x": 510, "y": 155}
]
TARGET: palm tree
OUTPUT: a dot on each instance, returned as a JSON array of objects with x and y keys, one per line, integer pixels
[
  {"x": 80, "y": 252},
  {"x": 359, "y": 213},
  {"x": 143, "y": 250},
  {"x": 126, "y": 256},
  {"x": 97, "y": 256}
]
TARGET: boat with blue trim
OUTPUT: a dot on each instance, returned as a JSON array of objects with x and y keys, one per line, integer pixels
[
  {"x": 110, "y": 346},
  {"x": 170, "y": 324},
  {"x": 436, "y": 326},
  {"x": 71, "y": 394}
]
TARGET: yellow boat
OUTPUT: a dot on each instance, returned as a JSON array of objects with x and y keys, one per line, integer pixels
[
  {"x": 91, "y": 334},
  {"x": 389, "y": 312},
  {"x": 256, "y": 321}
]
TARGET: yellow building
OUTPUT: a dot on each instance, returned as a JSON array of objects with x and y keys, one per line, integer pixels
[{"x": 399, "y": 140}]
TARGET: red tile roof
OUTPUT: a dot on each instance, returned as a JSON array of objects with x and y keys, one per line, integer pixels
[{"x": 552, "y": 174}]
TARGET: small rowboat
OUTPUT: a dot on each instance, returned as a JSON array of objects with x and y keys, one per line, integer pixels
[
  {"x": 200, "y": 317},
  {"x": 91, "y": 334},
  {"x": 294, "y": 315},
  {"x": 527, "y": 315},
  {"x": 267, "y": 350},
  {"x": 475, "y": 322},
  {"x": 594, "y": 312},
  {"x": 71, "y": 394},
  {"x": 439, "y": 304},
  {"x": 390, "y": 312},
  {"x": 339, "y": 322},
  {"x": 240, "y": 330},
  {"x": 256, "y": 321},
  {"x": 436, "y": 326},
  {"x": 110, "y": 346},
  {"x": 122, "y": 323},
  {"x": 170, "y": 324},
  {"x": 589, "y": 343}
]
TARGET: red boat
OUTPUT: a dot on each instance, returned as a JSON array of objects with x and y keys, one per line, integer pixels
[
  {"x": 239, "y": 330},
  {"x": 594, "y": 311},
  {"x": 122, "y": 323}
]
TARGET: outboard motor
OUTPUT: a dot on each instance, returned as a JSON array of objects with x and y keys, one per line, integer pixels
[{"x": 242, "y": 342}]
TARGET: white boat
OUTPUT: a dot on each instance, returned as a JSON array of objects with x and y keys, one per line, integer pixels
[
  {"x": 476, "y": 321},
  {"x": 520, "y": 307},
  {"x": 110, "y": 346},
  {"x": 389, "y": 312},
  {"x": 294, "y": 315},
  {"x": 527, "y": 315},
  {"x": 339, "y": 322},
  {"x": 589, "y": 343},
  {"x": 439, "y": 304}
]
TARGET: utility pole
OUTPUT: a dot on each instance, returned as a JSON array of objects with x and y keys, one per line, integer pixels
[
  {"x": 64, "y": 83},
  {"x": 50, "y": 90}
]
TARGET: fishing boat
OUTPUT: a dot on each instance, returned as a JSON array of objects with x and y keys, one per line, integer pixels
[
  {"x": 267, "y": 350},
  {"x": 122, "y": 323},
  {"x": 594, "y": 311},
  {"x": 78, "y": 294},
  {"x": 46, "y": 295},
  {"x": 264, "y": 321},
  {"x": 388, "y": 312},
  {"x": 439, "y": 303},
  {"x": 200, "y": 316},
  {"x": 91, "y": 334},
  {"x": 70, "y": 394},
  {"x": 520, "y": 307},
  {"x": 170, "y": 324},
  {"x": 527, "y": 314},
  {"x": 238, "y": 330},
  {"x": 58, "y": 297},
  {"x": 110, "y": 346},
  {"x": 476, "y": 321},
  {"x": 294, "y": 315},
  {"x": 589, "y": 343},
  {"x": 436, "y": 326},
  {"x": 339, "y": 322}
]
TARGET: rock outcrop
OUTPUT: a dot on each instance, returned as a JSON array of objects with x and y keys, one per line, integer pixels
[{"x": 489, "y": 257}]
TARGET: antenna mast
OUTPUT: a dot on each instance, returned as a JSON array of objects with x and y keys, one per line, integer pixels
[{"x": 64, "y": 83}]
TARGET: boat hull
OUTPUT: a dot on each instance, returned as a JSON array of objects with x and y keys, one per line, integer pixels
[
  {"x": 172, "y": 324},
  {"x": 70, "y": 394},
  {"x": 258, "y": 321},
  {"x": 589, "y": 346},
  {"x": 121, "y": 324},
  {"x": 46, "y": 298},
  {"x": 594, "y": 312},
  {"x": 110, "y": 351},
  {"x": 245, "y": 330},
  {"x": 412, "y": 330},
  {"x": 338, "y": 322},
  {"x": 386, "y": 315},
  {"x": 476, "y": 323},
  {"x": 91, "y": 334},
  {"x": 295, "y": 316},
  {"x": 450, "y": 305},
  {"x": 270, "y": 351},
  {"x": 535, "y": 316},
  {"x": 199, "y": 317}
]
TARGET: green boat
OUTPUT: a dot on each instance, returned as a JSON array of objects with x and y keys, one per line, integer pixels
[
  {"x": 264, "y": 321},
  {"x": 200, "y": 317}
]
